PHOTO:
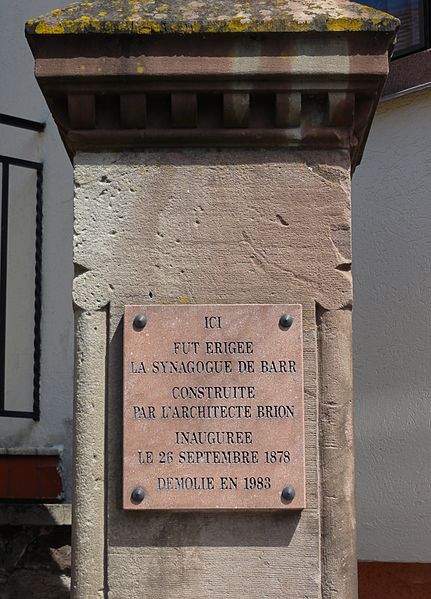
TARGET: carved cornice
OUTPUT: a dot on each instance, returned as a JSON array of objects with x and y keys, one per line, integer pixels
[{"x": 298, "y": 90}]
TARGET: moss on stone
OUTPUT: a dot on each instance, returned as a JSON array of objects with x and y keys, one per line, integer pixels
[{"x": 211, "y": 16}]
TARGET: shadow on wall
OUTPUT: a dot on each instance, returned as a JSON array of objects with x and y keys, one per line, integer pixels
[{"x": 35, "y": 561}]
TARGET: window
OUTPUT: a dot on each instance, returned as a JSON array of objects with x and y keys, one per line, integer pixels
[
  {"x": 20, "y": 280},
  {"x": 414, "y": 34}
]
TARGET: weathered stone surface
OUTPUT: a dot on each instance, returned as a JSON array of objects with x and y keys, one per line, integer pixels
[
  {"x": 220, "y": 227},
  {"x": 249, "y": 75},
  {"x": 258, "y": 226},
  {"x": 36, "y": 514},
  {"x": 40, "y": 585},
  {"x": 218, "y": 16},
  {"x": 210, "y": 232},
  {"x": 159, "y": 556},
  {"x": 35, "y": 561},
  {"x": 337, "y": 454},
  {"x": 89, "y": 449}
]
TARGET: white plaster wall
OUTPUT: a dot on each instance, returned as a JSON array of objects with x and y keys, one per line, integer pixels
[
  {"x": 392, "y": 333},
  {"x": 20, "y": 96}
]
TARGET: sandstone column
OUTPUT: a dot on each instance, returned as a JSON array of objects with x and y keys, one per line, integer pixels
[{"x": 213, "y": 146}]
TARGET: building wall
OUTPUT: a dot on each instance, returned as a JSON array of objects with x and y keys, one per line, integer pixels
[
  {"x": 391, "y": 317},
  {"x": 20, "y": 96},
  {"x": 392, "y": 333}
]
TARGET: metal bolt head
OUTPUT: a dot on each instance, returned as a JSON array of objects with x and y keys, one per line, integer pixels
[
  {"x": 138, "y": 495},
  {"x": 288, "y": 494},
  {"x": 139, "y": 322},
  {"x": 285, "y": 322}
]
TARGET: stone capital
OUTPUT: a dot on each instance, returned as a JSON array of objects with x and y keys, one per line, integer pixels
[{"x": 126, "y": 76}]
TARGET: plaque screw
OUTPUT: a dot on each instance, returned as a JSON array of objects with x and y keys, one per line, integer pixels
[
  {"x": 288, "y": 493},
  {"x": 285, "y": 322},
  {"x": 138, "y": 495},
  {"x": 140, "y": 321}
]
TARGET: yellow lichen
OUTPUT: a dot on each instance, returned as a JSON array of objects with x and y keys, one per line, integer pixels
[
  {"x": 297, "y": 26},
  {"x": 162, "y": 8},
  {"x": 154, "y": 16},
  {"x": 147, "y": 27},
  {"x": 345, "y": 24},
  {"x": 44, "y": 27}
]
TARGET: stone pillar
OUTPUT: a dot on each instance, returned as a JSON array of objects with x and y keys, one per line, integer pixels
[{"x": 213, "y": 146}]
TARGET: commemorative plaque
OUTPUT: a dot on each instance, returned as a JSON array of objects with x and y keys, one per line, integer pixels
[{"x": 213, "y": 408}]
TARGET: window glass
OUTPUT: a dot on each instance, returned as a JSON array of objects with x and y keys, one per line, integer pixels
[{"x": 411, "y": 36}]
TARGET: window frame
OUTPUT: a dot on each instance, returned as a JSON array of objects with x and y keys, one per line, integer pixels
[
  {"x": 6, "y": 162},
  {"x": 426, "y": 34}
]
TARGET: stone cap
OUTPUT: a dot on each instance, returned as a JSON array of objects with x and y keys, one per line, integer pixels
[
  {"x": 212, "y": 16},
  {"x": 131, "y": 74}
]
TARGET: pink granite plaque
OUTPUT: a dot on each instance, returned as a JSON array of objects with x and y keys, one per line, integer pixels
[{"x": 213, "y": 407}]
